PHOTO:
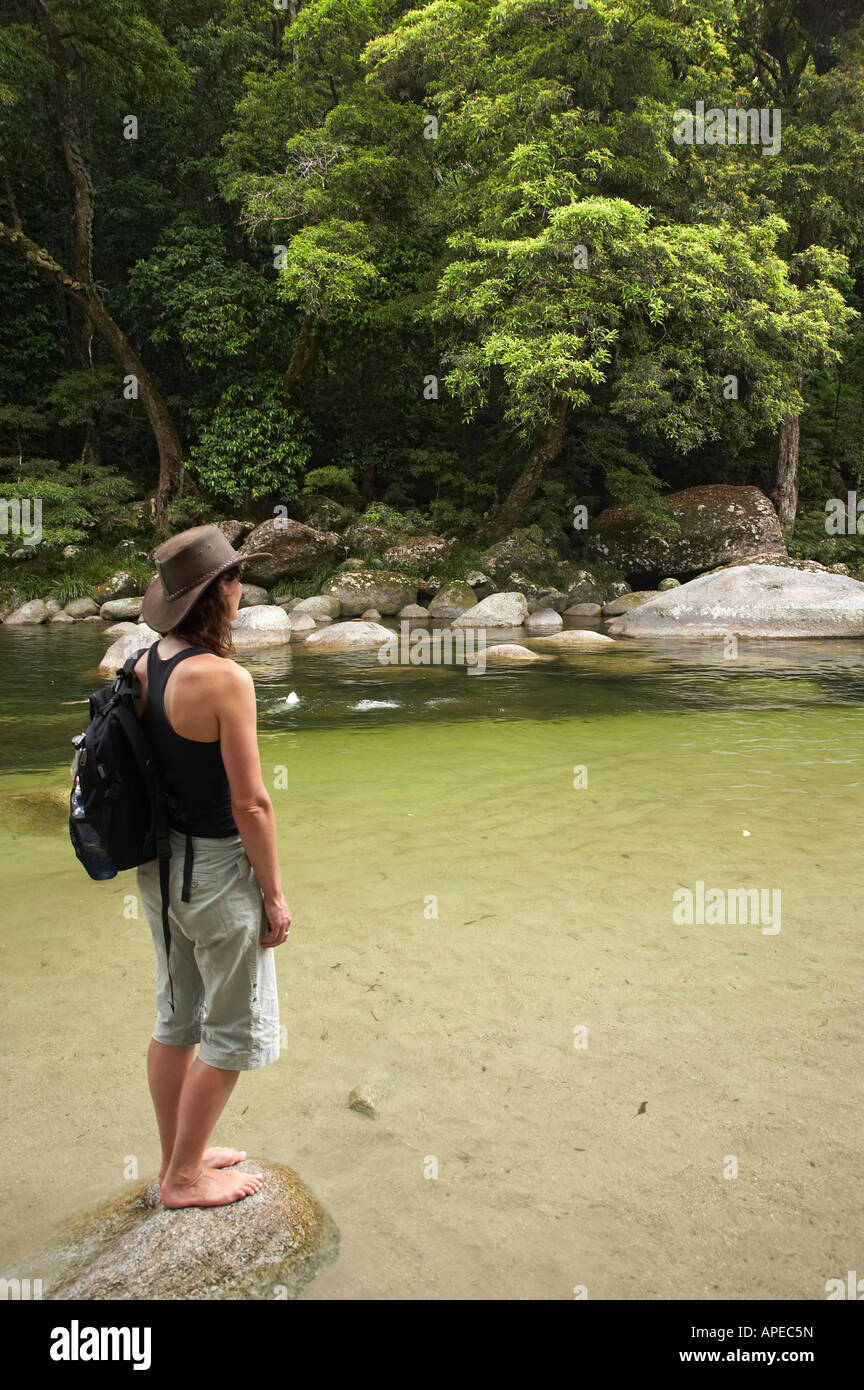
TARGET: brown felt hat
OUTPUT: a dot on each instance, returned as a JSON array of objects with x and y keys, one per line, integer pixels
[{"x": 185, "y": 565}]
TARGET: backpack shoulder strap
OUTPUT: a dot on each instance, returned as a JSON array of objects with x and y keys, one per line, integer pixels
[{"x": 126, "y": 684}]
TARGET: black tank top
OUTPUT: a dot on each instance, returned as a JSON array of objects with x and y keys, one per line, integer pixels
[{"x": 192, "y": 772}]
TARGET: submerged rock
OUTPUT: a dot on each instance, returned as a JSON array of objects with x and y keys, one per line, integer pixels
[
  {"x": 760, "y": 600},
  {"x": 368, "y": 1097},
  {"x": 266, "y": 1246},
  {"x": 35, "y": 810},
  {"x": 574, "y": 639},
  {"x": 510, "y": 651},
  {"x": 498, "y": 610}
]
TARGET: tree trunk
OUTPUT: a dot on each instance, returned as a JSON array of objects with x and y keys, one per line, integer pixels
[
  {"x": 303, "y": 356},
  {"x": 545, "y": 451},
  {"x": 82, "y": 202},
  {"x": 786, "y": 488},
  {"x": 170, "y": 483},
  {"x": 786, "y": 491}
]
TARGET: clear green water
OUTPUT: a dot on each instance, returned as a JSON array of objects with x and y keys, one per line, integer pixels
[{"x": 554, "y": 912}]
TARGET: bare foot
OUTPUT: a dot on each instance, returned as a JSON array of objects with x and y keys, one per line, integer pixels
[
  {"x": 215, "y": 1187},
  {"x": 212, "y": 1158}
]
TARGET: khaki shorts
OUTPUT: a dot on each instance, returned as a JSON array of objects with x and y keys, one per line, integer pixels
[{"x": 224, "y": 980}]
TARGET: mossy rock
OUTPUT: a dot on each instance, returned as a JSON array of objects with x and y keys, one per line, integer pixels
[{"x": 266, "y": 1246}]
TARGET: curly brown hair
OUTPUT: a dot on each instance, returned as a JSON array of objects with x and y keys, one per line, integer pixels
[{"x": 207, "y": 623}]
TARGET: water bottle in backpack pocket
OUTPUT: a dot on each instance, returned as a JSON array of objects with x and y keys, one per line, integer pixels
[{"x": 85, "y": 838}]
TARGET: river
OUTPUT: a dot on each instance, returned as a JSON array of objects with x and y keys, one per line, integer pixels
[{"x": 586, "y": 1092}]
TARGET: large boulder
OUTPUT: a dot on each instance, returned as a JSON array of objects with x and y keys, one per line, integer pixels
[
  {"x": 357, "y": 590},
  {"x": 119, "y": 651},
  {"x": 480, "y": 583},
  {"x": 295, "y": 549},
  {"x": 266, "y": 1247},
  {"x": 262, "y": 625},
  {"x": 323, "y": 513},
  {"x": 584, "y": 588},
  {"x": 120, "y": 585},
  {"x": 717, "y": 524},
  {"x": 35, "y": 611},
  {"x": 416, "y": 553},
  {"x": 538, "y": 595},
  {"x": 121, "y": 609},
  {"x": 302, "y": 624},
  {"x": 346, "y": 637},
  {"x": 252, "y": 594},
  {"x": 543, "y": 620},
  {"x": 517, "y": 554},
  {"x": 234, "y": 531},
  {"x": 498, "y": 610},
  {"x": 452, "y": 600},
  {"x": 81, "y": 608},
  {"x": 368, "y": 538},
  {"x": 318, "y": 606},
  {"x": 752, "y": 600}
]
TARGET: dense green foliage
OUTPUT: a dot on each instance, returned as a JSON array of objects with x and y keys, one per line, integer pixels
[{"x": 388, "y": 254}]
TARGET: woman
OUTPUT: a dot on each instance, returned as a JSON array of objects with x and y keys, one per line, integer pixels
[{"x": 197, "y": 709}]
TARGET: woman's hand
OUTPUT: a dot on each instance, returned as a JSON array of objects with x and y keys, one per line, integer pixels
[{"x": 278, "y": 915}]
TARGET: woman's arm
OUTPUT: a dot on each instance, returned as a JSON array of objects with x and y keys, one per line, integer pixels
[{"x": 250, "y": 801}]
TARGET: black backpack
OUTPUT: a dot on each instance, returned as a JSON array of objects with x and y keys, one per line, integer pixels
[{"x": 121, "y": 818}]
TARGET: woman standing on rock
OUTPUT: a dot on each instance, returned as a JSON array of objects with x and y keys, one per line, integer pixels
[{"x": 216, "y": 985}]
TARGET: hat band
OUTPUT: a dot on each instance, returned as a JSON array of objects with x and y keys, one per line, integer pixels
[{"x": 202, "y": 579}]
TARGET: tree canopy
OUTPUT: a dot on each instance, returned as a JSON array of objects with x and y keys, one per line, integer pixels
[{"x": 466, "y": 260}]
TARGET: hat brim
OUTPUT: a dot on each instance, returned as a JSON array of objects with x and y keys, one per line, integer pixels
[{"x": 161, "y": 613}]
